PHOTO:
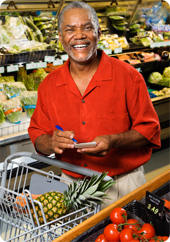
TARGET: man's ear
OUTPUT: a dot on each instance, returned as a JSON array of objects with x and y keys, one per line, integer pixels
[{"x": 60, "y": 37}]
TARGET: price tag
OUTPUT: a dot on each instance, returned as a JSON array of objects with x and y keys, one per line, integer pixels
[
  {"x": 138, "y": 69},
  {"x": 41, "y": 64},
  {"x": 57, "y": 62},
  {"x": 154, "y": 204},
  {"x": 12, "y": 68},
  {"x": 118, "y": 50},
  {"x": 167, "y": 43},
  {"x": 2, "y": 69},
  {"x": 64, "y": 57},
  {"x": 30, "y": 66},
  {"x": 49, "y": 58},
  {"x": 108, "y": 51}
]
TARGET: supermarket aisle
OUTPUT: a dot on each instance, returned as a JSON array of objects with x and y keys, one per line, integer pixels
[{"x": 159, "y": 162}]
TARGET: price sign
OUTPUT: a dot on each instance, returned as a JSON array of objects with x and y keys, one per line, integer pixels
[
  {"x": 2, "y": 69},
  {"x": 154, "y": 204},
  {"x": 30, "y": 66},
  {"x": 41, "y": 64},
  {"x": 64, "y": 57},
  {"x": 12, "y": 68},
  {"x": 118, "y": 50},
  {"x": 49, "y": 58},
  {"x": 108, "y": 51},
  {"x": 57, "y": 62}
]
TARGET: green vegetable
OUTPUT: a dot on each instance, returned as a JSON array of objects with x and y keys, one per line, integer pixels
[
  {"x": 29, "y": 82},
  {"x": 2, "y": 115},
  {"x": 39, "y": 76},
  {"x": 155, "y": 77},
  {"x": 29, "y": 100},
  {"x": 37, "y": 32},
  {"x": 15, "y": 107},
  {"x": 13, "y": 89},
  {"x": 166, "y": 72}
]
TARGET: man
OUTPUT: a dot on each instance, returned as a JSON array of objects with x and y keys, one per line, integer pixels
[{"x": 101, "y": 99}]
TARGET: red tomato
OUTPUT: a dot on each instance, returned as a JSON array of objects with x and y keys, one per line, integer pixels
[
  {"x": 101, "y": 238},
  {"x": 159, "y": 239},
  {"x": 167, "y": 203},
  {"x": 126, "y": 235},
  {"x": 135, "y": 240},
  {"x": 111, "y": 233},
  {"x": 118, "y": 215},
  {"x": 147, "y": 231},
  {"x": 137, "y": 226}
]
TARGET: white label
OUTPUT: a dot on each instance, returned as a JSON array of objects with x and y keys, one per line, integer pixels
[
  {"x": 64, "y": 57},
  {"x": 41, "y": 64},
  {"x": 12, "y": 68},
  {"x": 108, "y": 51},
  {"x": 2, "y": 69},
  {"x": 30, "y": 66},
  {"x": 57, "y": 62},
  {"x": 118, "y": 50},
  {"x": 167, "y": 43},
  {"x": 49, "y": 58}
]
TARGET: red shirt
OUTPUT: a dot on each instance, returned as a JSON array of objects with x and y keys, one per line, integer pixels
[{"x": 116, "y": 100}]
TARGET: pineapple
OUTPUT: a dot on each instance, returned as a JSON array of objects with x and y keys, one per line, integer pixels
[{"x": 79, "y": 195}]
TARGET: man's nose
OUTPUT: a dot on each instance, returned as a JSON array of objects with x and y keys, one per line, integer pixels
[{"x": 79, "y": 33}]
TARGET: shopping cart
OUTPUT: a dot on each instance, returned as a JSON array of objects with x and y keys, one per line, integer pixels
[{"x": 20, "y": 180}]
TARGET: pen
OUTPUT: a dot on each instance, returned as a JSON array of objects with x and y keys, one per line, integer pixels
[{"x": 58, "y": 127}]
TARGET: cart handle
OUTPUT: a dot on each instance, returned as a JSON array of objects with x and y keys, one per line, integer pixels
[{"x": 55, "y": 162}]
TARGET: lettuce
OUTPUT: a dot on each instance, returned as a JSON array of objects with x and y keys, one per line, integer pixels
[
  {"x": 13, "y": 109},
  {"x": 13, "y": 89},
  {"x": 2, "y": 115},
  {"x": 29, "y": 100},
  {"x": 155, "y": 77}
]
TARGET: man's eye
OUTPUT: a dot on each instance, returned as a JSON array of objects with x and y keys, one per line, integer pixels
[
  {"x": 69, "y": 30},
  {"x": 89, "y": 27}
]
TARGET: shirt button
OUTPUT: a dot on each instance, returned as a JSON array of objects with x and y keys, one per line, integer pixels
[
  {"x": 83, "y": 101},
  {"x": 85, "y": 165},
  {"x": 83, "y": 122}
]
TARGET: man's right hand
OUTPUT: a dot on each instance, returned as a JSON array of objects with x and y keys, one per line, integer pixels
[
  {"x": 57, "y": 143},
  {"x": 62, "y": 140}
]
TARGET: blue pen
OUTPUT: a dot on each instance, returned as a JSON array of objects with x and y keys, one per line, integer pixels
[{"x": 58, "y": 127}]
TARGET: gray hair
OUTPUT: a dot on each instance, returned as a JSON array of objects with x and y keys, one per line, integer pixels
[{"x": 77, "y": 4}]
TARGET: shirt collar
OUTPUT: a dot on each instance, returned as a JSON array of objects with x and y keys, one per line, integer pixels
[{"x": 103, "y": 73}]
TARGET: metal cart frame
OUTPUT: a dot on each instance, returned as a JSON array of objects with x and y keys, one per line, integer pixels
[{"x": 17, "y": 223}]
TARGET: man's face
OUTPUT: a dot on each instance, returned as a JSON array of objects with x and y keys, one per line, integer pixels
[{"x": 79, "y": 37}]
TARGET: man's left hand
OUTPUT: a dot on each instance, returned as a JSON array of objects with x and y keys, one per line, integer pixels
[{"x": 103, "y": 145}]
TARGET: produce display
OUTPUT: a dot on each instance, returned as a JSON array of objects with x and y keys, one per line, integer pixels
[
  {"x": 28, "y": 100},
  {"x": 158, "y": 78},
  {"x": 128, "y": 230},
  {"x": 112, "y": 42},
  {"x": 12, "y": 110},
  {"x": 78, "y": 195}
]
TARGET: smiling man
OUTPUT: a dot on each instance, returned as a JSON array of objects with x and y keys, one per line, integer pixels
[{"x": 98, "y": 98}]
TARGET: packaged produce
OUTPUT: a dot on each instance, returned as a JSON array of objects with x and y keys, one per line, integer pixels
[
  {"x": 39, "y": 76},
  {"x": 13, "y": 89},
  {"x": 13, "y": 109},
  {"x": 2, "y": 115},
  {"x": 28, "y": 100},
  {"x": 21, "y": 73},
  {"x": 2, "y": 96},
  {"x": 29, "y": 82}
]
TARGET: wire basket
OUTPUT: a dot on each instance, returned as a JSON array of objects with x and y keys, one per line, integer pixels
[{"x": 19, "y": 181}]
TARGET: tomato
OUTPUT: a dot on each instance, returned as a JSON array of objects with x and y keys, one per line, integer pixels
[
  {"x": 118, "y": 215},
  {"x": 167, "y": 203},
  {"x": 101, "y": 238},
  {"x": 147, "y": 231},
  {"x": 111, "y": 233},
  {"x": 135, "y": 240},
  {"x": 159, "y": 239},
  {"x": 137, "y": 226},
  {"x": 164, "y": 238},
  {"x": 126, "y": 235}
]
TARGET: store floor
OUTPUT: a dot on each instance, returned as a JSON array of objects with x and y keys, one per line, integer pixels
[{"x": 159, "y": 162}]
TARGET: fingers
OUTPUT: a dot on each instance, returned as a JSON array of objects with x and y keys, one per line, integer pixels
[{"x": 62, "y": 140}]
